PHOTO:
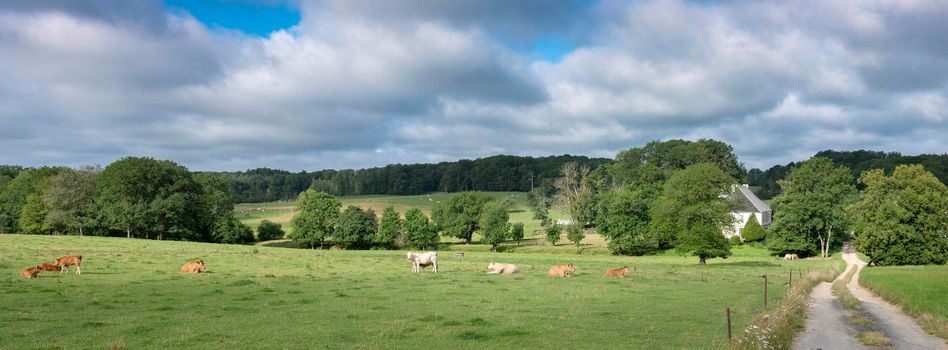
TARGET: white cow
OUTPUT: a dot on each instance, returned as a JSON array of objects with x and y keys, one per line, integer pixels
[
  {"x": 420, "y": 260},
  {"x": 498, "y": 268}
]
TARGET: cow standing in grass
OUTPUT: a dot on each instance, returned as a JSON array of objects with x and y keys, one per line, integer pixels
[
  {"x": 791, "y": 257},
  {"x": 64, "y": 261},
  {"x": 420, "y": 260}
]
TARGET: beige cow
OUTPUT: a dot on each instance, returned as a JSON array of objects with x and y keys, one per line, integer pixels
[
  {"x": 500, "y": 268},
  {"x": 791, "y": 257},
  {"x": 420, "y": 260}
]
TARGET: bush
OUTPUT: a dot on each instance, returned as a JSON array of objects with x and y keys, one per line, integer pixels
[
  {"x": 268, "y": 230},
  {"x": 231, "y": 230},
  {"x": 735, "y": 240},
  {"x": 420, "y": 233},
  {"x": 553, "y": 234},
  {"x": 753, "y": 232},
  {"x": 575, "y": 234},
  {"x": 516, "y": 232}
]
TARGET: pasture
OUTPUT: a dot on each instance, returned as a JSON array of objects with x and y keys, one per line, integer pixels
[
  {"x": 922, "y": 291},
  {"x": 131, "y": 295},
  {"x": 282, "y": 212}
]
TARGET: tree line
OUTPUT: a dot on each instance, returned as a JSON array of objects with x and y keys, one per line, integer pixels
[
  {"x": 133, "y": 197},
  {"x": 856, "y": 161},
  {"x": 496, "y": 173}
]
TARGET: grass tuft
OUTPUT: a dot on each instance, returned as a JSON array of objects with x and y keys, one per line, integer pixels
[{"x": 873, "y": 338}]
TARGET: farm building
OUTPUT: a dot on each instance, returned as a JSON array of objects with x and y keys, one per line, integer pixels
[{"x": 745, "y": 204}]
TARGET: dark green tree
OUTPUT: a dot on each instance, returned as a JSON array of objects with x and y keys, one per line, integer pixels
[
  {"x": 494, "y": 224},
  {"x": 460, "y": 215},
  {"x": 419, "y": 232},
  {"x": 232, "y": 231},
  {"x": 902, "y": 219},
  {"x": 692, "y": 207},
  {"x": 268, "y": 231},
  {"x": 315, "y": 219},
  {"x": 575, "y": 234},
  {"x": 812, "y": 207},
  {"x": 355, "y": 228},
  {"x": 752, "y": 231},
  {"x": 390, "y": 229},
  {"x": 151, "y": 199},
  {"x": 13, "y": 198},
  {"x": 553, "y": 234},
  {"x": 624, "y": 220},
  {"x": 516, "y": 232},
  {"x": 71, "y": 199}
]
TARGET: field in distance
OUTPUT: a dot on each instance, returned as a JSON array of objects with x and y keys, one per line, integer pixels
[
  {"x": 282, "y": 211},
  {"x": 131, "y": 295}
]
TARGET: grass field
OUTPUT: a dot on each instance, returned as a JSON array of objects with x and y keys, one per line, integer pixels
[
  {"x": 920, "y": 290},
  {"x": 281, "y": 212},
  {"x": 130, "y": 295}
]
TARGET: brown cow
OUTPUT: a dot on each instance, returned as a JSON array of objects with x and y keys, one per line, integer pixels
[
  {"x": 65, "y": 261},
  {"x": 620, "y": 272},
  {"x": 561, "y": 270},
  {"x": 31, "y": 273},
  {"x": 50, "y": 267},
  {"x": 194, "y": 267}
]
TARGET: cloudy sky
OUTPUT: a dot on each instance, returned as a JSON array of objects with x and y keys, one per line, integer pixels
[{"x": 231, "y": 85}]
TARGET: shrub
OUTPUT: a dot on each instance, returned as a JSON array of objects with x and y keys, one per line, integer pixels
[
  {"x": 575, "y": 234},
  {"x": 231, "y": 230},
  {"x": 753, "y": 232},
  {"x": 735, "y": 240},
  {"x": 553, "y": 234},
  {"x": 268, "y": 230},
  {"x": 516, "y": 232}
]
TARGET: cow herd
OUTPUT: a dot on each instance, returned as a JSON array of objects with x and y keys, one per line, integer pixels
[
  {"x": 418, "y": 261},
  {"x": 62, "y": 265},
  {"x": 421, "y": 260}
]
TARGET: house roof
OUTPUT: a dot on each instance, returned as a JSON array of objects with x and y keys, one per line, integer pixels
[{"x": 751, "y": 198}]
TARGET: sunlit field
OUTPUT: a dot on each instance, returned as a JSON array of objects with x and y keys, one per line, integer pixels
[{"x": 131, "y": 295}]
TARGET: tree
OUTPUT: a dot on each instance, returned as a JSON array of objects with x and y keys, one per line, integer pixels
[
  {"x": 419, "y": 232},
  {"x": 71, "y": 198},
  {"x": 553, "y": 234},
  {"x": 624, "y": 220},
  {"x": 232, "y": 231},
  {"x": 152, "y": 198},
  {"x": 811, "y": 207},
  {"x": 33, "y": 217},
  {"x": 575, "y": 234},
  {"x": 390, "y": 229},
  {"x": 516, "y": 232},
  {"x": 355, "y": 228},
  {"x": 571, "y": 186},
  {"x": 494, "y": 225},
  {"x": 268, "y": 230},
  {"x": 315, "y": 219},
  {"x": 542, "y": 214},
  {"x": 14, "y": 195},
  {"x": 902, "y": 219},
  {"x": 753, "y": 232},
  {"x": 460, "y": 215},
  {"x": 691, "y": 207}
]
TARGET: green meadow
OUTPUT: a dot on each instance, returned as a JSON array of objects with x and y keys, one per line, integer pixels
[
  {"x": 281, "y": 212},
  {"x": 922, "y": 291},
  {"x": 132, "y": 296}
]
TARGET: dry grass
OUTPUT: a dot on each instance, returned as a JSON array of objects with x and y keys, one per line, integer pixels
[
  {"x": 775, "y": 330},
  {"x": 859, "y": 321},
  {"x": 842, "y": 292},
  {"x": 873, "y": 338}
]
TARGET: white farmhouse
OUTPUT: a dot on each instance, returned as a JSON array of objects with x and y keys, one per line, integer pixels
[{"x": 744, "y": 204}]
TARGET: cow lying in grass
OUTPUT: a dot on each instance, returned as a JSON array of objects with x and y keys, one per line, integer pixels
[
  {"x": 194, "y": 267},
  {"x": 65, "y": 261},
  {"x": 420, "y": 260},
  {"x": 620, "y": 272},
  {"x": 561, "y": 270},
  {"x": 50, "y": 267},
  {"x": 31, "y": 273},
  {"x": 499, "y": 268},
  {"x": 791, "y": 257}
]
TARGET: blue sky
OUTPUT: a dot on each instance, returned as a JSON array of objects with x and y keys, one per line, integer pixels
[{"x": 231, "y": 85}]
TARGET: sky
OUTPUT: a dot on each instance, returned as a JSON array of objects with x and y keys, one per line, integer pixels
[{"x": 309, "y": 85}]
